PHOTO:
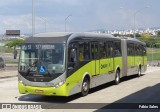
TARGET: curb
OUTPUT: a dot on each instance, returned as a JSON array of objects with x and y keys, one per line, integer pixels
[
  {"x": 8, "y": 76},
  {"x": 8, "y": 65}
]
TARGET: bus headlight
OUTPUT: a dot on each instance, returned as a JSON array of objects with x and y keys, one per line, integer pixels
[
  {"x": 59, "y": 84},
  {"x": 22, "y": 83},
  {"x": 19, "y": 79}
]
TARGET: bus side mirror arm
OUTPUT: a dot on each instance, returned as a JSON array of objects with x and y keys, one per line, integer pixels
[{"x": 70, "y": 68}]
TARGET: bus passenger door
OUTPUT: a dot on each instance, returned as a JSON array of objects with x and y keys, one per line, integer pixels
[
  {"x": 110, "y": 56},
  {"x": 95, "y": 57}
]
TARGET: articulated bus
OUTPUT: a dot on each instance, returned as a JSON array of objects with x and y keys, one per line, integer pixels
[{"x": 63, "y": 64}]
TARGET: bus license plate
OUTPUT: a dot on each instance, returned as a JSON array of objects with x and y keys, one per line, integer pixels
[{"x": 39, "y": 91}]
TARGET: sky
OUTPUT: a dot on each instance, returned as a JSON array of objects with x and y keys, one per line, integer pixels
[{"x": 86, "y": 15}]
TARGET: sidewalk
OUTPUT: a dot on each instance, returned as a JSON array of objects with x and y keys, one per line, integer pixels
[
  {"x": 12, "y": 65},
  {"x": 8, "y": 73},
  {"x": 152, "y": 69}
]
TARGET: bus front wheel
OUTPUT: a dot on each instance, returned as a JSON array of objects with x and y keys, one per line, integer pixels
[{"x": 85, "y": 87}]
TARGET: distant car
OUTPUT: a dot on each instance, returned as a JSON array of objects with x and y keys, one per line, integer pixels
[{"x": 2, "y": 64}]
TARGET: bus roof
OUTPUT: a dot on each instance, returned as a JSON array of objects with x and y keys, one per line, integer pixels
[
  {"x": 91, "y": 36},
  {"x": 49, "y": 38},
  {"x": 62, "y": 34},
  {"x": 133, "y": 40},
  {"x": 61, "y": 37}
]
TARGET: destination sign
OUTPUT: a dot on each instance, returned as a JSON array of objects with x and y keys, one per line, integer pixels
[{"x": 38, "y": 46}]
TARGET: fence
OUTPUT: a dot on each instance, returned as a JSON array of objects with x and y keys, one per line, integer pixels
[
  {"x": 153, "y": 56},
  {"x": 8, "y": 56}
]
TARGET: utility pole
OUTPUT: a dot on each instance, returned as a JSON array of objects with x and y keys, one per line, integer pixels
[
  {"x": 33, "y": 19},
  {"x": 65, "y": 22},
  {"x": 135, "y": 18}
]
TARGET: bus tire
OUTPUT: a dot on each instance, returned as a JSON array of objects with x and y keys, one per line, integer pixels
[
  {"x": 139, "y": 72},
  {"x": 117, "y": 77},
  {"x": 85, "y": 87}
]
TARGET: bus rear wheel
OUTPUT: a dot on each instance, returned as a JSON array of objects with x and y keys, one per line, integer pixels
[
  {"x": 117, "y": 77},
  {"x": 85, "y": 87}
]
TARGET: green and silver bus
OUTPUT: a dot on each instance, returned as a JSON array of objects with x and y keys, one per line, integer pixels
[{"x": 63, "y": 64}]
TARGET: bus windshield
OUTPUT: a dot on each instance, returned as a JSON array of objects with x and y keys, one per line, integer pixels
[{"x": 42, "y": 58}]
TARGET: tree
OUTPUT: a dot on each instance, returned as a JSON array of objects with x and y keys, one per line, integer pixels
[
  {"x": 145, "y": 35},
  {"x": 158, "y": 33},
  {"x": 116, "y": 35},
  {"x": 15, "y": 43},
  {"x": 138, "y": 35},
  {"x": 150, "y": 41}
]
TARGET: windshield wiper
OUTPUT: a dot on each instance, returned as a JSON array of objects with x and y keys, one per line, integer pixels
[{"x": 27, "y": 68}]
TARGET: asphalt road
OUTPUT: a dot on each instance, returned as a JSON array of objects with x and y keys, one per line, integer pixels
[{"x": 145, "y": 89}]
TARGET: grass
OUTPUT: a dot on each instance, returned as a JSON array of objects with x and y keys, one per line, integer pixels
[
  {"x": 156, "y": 54},
  {"x": 11, "y": 62},
  {"x": 6, "y": 49}
]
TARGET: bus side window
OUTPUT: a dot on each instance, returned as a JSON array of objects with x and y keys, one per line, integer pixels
[
  {"x": 73, "y": 55},
  {"x": 81, "y": 52},
  {"x": 72, "y": 58},
  {"x": 102, "y": 50},
  {"x": 137, "y": 49},
  {"x": 117, "y": 50},
  {"x": 96, "y": 51},
  {"x": 84, "y": 51},
  {"x": 130, "y": 49},
  {"x": 92, "y": 51},
  {"x": 110, "y": 49}
]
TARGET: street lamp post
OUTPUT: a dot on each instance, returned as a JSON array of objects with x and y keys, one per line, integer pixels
[
  {"x": 33, "y": 19},
  {"x": 65, "y": 22},
  {"x": 135, "y": 18},
  {"x": 45, "y": 21}
]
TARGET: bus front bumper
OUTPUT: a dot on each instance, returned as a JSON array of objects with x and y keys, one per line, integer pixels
[{"x": 46, "y": 91}]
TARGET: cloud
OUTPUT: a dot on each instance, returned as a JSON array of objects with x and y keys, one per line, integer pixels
[
  {"x": 63, "y": 2},
  {"x": 11, "y": 2},
  {"x": 86, "y": 14},
  {"x": 22, "y": 22}
]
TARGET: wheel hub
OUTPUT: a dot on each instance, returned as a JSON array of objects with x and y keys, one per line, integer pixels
[
  {"x": 117, "y": 78},
  {"x": 85, "y": 86}
]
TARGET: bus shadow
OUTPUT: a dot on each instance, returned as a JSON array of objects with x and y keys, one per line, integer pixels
[
  {"x": 60, "y": 99},
  {"x": 147, "y": 96},
  {"x": 48, "y": 99},
  {"x": 98, "y": 88}
]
